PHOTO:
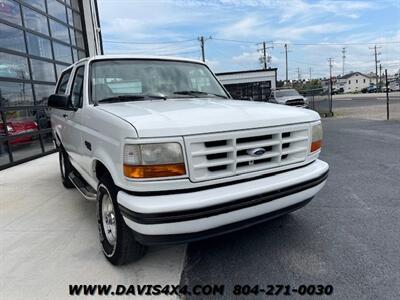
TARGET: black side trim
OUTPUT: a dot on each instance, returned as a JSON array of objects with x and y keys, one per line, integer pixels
[
  {"x": 207, "y": 187},
  {"x": 185, "y": 215},
  {"x": 191, "y": 237}
]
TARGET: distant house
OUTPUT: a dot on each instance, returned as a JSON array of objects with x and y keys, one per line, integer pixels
[{"x": 355, "y": 81}]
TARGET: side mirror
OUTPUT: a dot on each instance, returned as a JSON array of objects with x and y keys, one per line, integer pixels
[{"x": 60, "y": 101}]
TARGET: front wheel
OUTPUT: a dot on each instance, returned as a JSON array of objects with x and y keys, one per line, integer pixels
[{"x": 117, "y": 240}]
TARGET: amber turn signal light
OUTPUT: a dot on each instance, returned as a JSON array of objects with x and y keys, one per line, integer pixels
[
  {"x": 153, "y": 171},
  {"x": 316, "y": 145}
]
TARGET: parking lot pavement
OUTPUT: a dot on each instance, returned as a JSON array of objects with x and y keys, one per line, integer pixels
[
  {"x": 348, "y": 236},
  {"x": 49, "y": 239}
]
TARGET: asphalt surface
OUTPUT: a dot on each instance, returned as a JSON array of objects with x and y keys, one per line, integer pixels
[
  {"x": 322, "y": 104},
  {"x": 348, "y": 236},
  {"x": 364, "y": 101}
]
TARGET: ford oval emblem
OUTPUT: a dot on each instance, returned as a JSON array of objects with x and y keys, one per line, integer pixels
[{"x": 256, "y": 152}]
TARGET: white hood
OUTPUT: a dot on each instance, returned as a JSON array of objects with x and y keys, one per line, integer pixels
[{"x": 179, "y": 117}]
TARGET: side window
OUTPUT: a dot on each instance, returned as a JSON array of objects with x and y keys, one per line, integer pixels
[
  {"x": 62, "y": 85},
  {"x": 77, "y": 88}
]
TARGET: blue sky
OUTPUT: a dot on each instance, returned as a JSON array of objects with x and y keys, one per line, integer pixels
[{"x": 169, "y": 27}]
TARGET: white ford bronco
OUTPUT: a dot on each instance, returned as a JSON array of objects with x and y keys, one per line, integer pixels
[{"x": 170, "y": 157}]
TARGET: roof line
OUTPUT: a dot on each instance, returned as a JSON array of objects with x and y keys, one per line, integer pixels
[{"x": 246, "y": 71}]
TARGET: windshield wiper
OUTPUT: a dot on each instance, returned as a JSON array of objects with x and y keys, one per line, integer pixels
[
  {"x": 194, "y": 93},
  {"x": 125, "y": 98}
]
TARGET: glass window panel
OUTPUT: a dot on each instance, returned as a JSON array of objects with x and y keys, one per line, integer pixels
[
  {"x": 48, "y": 142},
  {"x": 37, "y": 3},
  {"x": 42, "y": 71},
  {"x": 70, "y": 19},
  {"x": 42, "y": 92},
  {"x": 13, "y": 66},
  {"x": 59, "y": 69},
  {"x": 23, "y": 122},
  {"x": 79, "y": 40},
  {"x": 15, "y": 93},
  {"x": 77, "y": 20},
  {"x": 25, "y": 147},
  {"x": 35, "y": 21},
  {"x": 39, "y": 46},
  {"x": 81, "y": 54},
  {"x": 10, "y": 11},
  {"x": 73, "y": 40},
  {"x": 75, "y": 4},
  {"x": 75, "y": 54},
  {"x": 59, "y": 31},
  {"x": 57, "y": 10},
  {"x": 4, "y": 156},
  {"x": 62, "y": 53},
  {"x": 43, "y": 119},
  {"x": 11, "y": 38}
]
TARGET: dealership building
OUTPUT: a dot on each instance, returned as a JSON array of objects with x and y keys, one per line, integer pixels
[
  {"x": 38, "y": 39},
  {"x": 252, "y": 84}
]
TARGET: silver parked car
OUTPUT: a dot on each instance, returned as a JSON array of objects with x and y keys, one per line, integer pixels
[{"x": 288, "y": 97}]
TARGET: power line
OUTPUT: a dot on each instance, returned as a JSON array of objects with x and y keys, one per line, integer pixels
[
  {"x": 308, "y": 44},
  {"x": 235, "y": 41},
  {"x": 147, "y": 43}
]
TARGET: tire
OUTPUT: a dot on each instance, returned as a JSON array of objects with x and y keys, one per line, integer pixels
[
  {"x": 119, "y": 244},
  {"x": 65, "y": 168}
]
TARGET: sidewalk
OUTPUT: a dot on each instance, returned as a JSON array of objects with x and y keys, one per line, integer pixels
[{"x": 49, "y": 239}]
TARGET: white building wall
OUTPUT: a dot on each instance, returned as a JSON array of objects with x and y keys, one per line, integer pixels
[
  {"x": 356, "y": 83},
  {"x": 267, "y": 75},
  {"x": 92, "y": 29}
]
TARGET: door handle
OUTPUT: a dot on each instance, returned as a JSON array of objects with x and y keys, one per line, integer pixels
[
  {"x": 65, "y": 116},
  {"x": 88, "y": 145}
]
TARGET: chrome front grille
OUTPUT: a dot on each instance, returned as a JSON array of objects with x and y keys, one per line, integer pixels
[{"x": 219, "y": 155}]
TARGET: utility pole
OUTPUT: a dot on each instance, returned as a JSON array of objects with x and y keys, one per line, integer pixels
[
  {"x": 265, "y": 58},
  {"x": 287, "y": 76},
  {"x": 264, "y": 55},
  {"x": 201, "y": 39},
  {"x": 330, "y": 59},
  {"x": 202, "y": 44},
  {"x": 380, "y": 76},
  {"x": 343, "y": 58},
  {"x": 376, "y": 62},
  {"x": 298, "y": 74},
  {"x": 310, "y": 74}
]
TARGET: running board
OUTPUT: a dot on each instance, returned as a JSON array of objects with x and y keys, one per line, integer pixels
[{"x": 84, "y": 188}]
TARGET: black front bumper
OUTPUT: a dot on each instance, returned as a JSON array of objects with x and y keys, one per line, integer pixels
[
  {"x": 209, "y": 211},
  {"x": 196, "y": 236},
  {"x": 194, "y": 214}
]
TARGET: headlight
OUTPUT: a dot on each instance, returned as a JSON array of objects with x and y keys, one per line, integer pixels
[
  {"x": 153, "y": 160},
  {"x": 9, "y": 128},
  {"x": 316, "y": 137}
]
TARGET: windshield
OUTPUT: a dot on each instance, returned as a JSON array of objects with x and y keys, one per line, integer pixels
[
  {"x": 130, "y": 80},
  {"x": 286, "y": 93}
]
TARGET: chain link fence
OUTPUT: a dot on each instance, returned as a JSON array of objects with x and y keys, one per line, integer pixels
[{"x": 319, "y": 100}]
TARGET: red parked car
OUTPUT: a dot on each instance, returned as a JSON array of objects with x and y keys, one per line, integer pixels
[{"x": 16, "y": 128}]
